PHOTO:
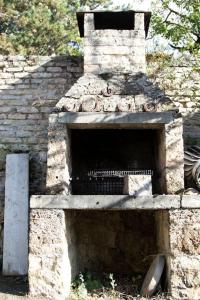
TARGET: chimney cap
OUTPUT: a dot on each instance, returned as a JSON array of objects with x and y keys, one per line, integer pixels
[{"x": 112, "y": 19}]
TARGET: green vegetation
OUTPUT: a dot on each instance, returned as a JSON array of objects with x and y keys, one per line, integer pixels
[
  {"x": 41, "y": 27},
  {"x": 179, "y": 22},
  {"x": 46, "y": 27}
]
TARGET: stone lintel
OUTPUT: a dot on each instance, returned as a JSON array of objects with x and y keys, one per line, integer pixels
[
  {"x": 190, "y": 201},
  {"x": 105, "y": 202},
  {"x": 158, "y": 118}
]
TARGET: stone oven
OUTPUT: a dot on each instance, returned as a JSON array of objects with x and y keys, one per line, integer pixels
[{"x": 115, "y": 165}]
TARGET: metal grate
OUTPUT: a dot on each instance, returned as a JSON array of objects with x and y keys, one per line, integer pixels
[
  {"x": 97, "y": 186},
  {"x": 119, "y": 173},
  {"x": 103, "y": 182}
]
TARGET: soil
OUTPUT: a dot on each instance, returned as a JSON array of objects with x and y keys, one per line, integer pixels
[{"x": 16, "y": 288}]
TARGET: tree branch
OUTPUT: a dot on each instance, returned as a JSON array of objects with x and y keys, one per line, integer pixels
[
  {"x": 176, "y": 12},
  {"x": 179, "y": 25}
]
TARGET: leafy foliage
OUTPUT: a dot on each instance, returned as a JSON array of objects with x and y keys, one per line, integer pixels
[
  {"x": 90, "y": 282},
  {"x": 179, "y": 22},
  {"x": 41, "y": 27}
]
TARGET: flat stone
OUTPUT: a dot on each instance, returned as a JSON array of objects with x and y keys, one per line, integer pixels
[
  {"x": 138, "y": 185},
  {"x": 106, "y": 202},
  {"x": 116, "y": 118},
  {"x": 15, "y": 250},
  {"x": 190, "y": 201}
]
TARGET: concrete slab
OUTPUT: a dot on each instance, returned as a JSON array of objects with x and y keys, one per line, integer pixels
[
  {"x": 190, "y": 201},
  {"x": 108, "y": 202},
  {"x": 145, "y": 118},
  {"x": 15, "y": 246}
]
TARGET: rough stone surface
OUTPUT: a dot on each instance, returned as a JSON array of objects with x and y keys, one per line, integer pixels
[
  {"x": 138, "y": 185},
  {"x": 114, "y": 92},
  {"x": 184, "y": 235},
  {"x": 49, "y": 262},
  {"x": 174, "y": 164},
  {"x": 125, "y": 55},
  {"x": 191, "y": 201},
  {"x": 58, "y": 163}
]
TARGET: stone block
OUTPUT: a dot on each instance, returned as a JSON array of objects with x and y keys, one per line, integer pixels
[
  {"x": 54, "y": 69},
  {"x": 190, "y": 201},
  {"x": 17, "y": 116},
  {"x": 185, "y": 277},
  {"x": 109, "y": 50},
  {"x": 15, "y": 251},
  {"x": 91, "y": 68},
  {"x": 139, "y": 21},
  {"x": 19, "y": 69},
  {"x": 49, "y": 263},
  {"x": 6, "y": 75},
  {"x": 21, "y": 74},
  {"x": 105, "y": 202},
  {"x": 138, "y": 185},
  {"x": 174, "y": 156},
  {"x": 88, "y": 23}
]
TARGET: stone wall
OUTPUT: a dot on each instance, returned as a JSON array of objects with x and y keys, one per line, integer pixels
[
  {"x": 180, "y": 80},
  {"x": 29, "y": 89}
]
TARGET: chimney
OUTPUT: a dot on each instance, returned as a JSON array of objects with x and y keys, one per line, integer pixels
[{"x": 114, "y": 40}]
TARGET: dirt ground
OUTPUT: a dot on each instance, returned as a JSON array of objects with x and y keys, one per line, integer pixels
[{"x": 16, "y": 288}]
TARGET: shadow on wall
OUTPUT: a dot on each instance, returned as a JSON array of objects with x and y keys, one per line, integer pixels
[{"x": 29, "y": 89}]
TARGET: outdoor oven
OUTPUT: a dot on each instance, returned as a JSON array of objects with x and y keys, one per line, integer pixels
[{"x": 115, "y": 163}]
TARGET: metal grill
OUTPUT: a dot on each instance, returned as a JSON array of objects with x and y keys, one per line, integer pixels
[
  {"x": 119, "y": 173},
  {"x": 103, "y": 182}
]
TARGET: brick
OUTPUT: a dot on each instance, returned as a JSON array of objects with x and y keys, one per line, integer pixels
[
  {"x": 7, "y": 109},
  {"x": 21, "y": 74},
  {"x": 6, "y": 87},
  {"x": 13, "y": 81},
  {"x": 35, "y": 116},
  {"x": 16, "y": 58},
  {"x": 46, "y": 109},
  {"x": 17, "y": 116},
  {"x": 35, "y": 68},
  {"x": 3, "y": 116},
  {"x": 118, "y": 50},
  {"x": 6, "y": 75},
  {"x": 27, "y": 110},
  {"x": 13, "y": 140},
  {"x": 54, "y": 69},
  {"x": 41, "y": 75},
  {"x": 22, "y": 133},
  {"x": 14, "y": 69}
]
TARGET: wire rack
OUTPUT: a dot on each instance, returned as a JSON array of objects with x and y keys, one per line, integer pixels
[{"x": 97, "y": 182}]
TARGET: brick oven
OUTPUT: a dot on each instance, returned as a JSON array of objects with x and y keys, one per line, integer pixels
[{"x": 115, "y": 166}]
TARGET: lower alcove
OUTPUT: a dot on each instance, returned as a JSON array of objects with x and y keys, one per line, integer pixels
[{"x": 115, "y": 242}]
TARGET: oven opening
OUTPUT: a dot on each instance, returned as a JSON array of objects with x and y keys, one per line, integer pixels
[{"x": 104, "y": 160}]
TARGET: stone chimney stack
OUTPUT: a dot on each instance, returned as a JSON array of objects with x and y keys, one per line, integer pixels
[{"x": 114, "y": 40}]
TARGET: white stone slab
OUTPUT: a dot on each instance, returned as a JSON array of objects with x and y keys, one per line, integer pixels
[
  {"x": 106, "y": 202},
  {"x": 138, "y": 185},
  {"x": 190, "y": 201},
  {"x": 15, "y": 248}
]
